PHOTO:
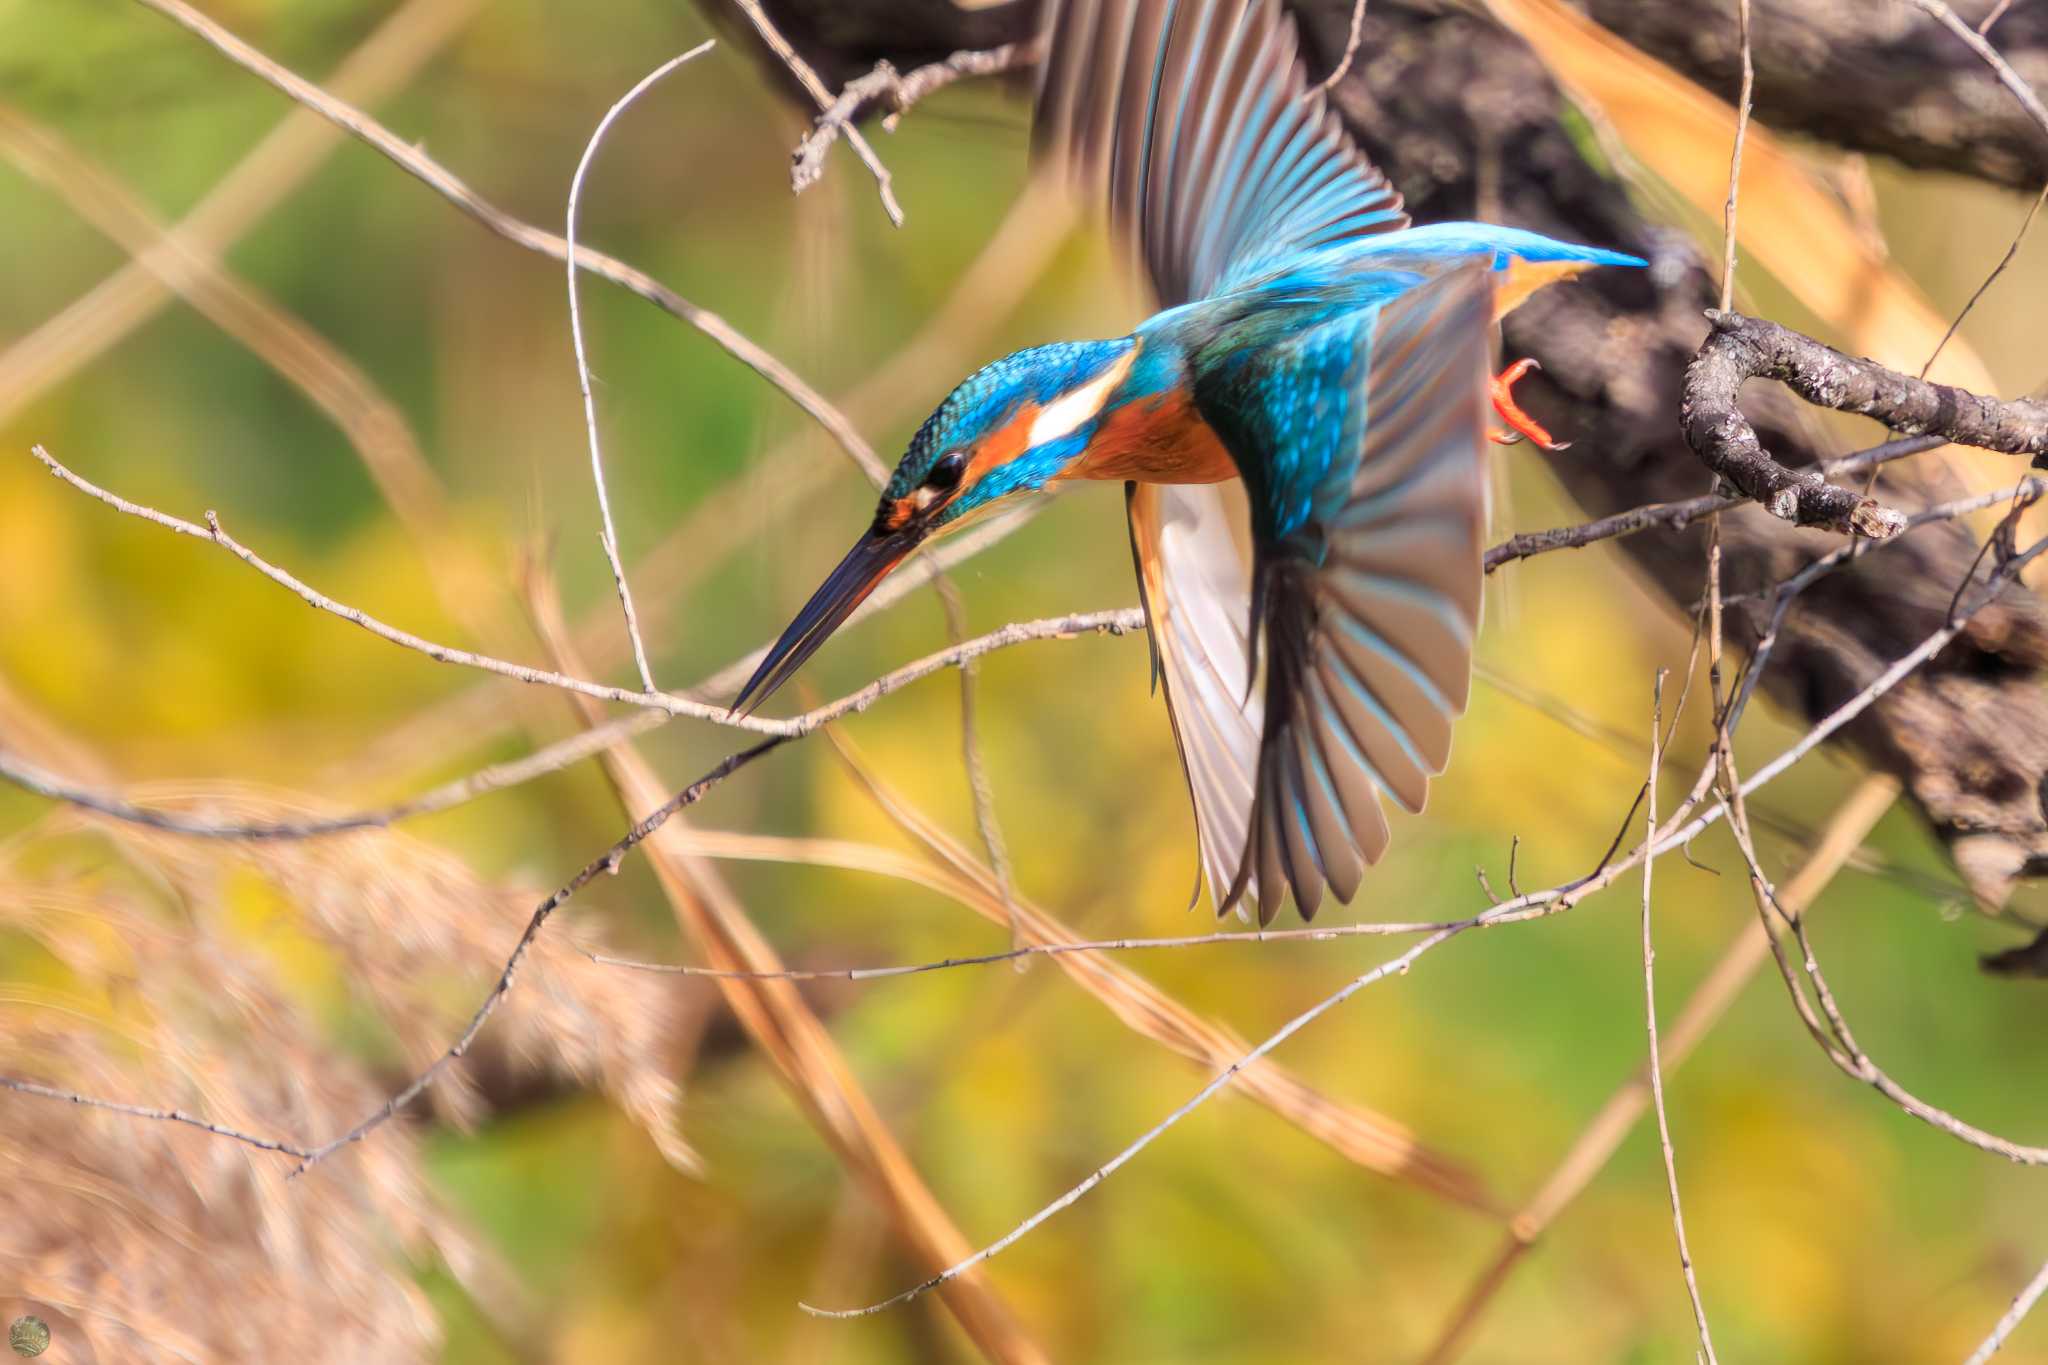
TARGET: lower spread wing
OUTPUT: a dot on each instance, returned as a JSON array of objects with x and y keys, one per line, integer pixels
[
  {"x": 1362, "y": 439},
  {"x": 1195, "y": 583}
]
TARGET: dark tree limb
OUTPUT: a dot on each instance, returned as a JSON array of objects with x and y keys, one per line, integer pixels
[
  {"x": 1867, "y": 75},
  {"x": 1468, "y": 123},
  {"x": 1740, "y": 349}
]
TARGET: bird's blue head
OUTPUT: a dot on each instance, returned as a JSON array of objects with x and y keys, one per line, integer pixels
[{"x": 1010, "y": 428}]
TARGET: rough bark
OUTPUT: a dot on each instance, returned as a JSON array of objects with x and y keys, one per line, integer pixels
[
  {"x": 1740, "y": 349},
  {"x": 1467, "y": 122},
  {"x": 1871, "y": 75}
]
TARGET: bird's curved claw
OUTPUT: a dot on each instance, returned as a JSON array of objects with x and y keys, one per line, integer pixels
[{"x": 1520, "y": 425}]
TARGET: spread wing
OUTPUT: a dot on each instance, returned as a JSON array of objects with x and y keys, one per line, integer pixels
[
  {"x": 1367, "y": 599},
  {"x": 1368, "y": 586},
  {"x": 1196, "y": 124}
]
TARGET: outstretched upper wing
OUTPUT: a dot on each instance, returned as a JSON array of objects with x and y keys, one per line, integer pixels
[{"x": 1196, "y": 123}]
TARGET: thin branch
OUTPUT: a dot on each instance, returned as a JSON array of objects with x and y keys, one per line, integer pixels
[
  {"x": 1395, "y": 967},
  {"x": 605, "y": 863},
  {"x": 2011, "y": 251},
  {"x": 609, "y": 534},
  {"x": 1739, "y": 349},
  {"x": 1835, "y": 847},
  {"x": 444, "y": 182},
  {"x": 156, "y": 1115},
  {"x": 1684, "y": 512},
  {"x": 1656, "y": 1062},
  {"x": 1351, "y": 43},
  {"x": 662, "y": 707},
  {"x": 390, "y": 58},
  {"x": 1997, "y": 12},
  {"x": 900, "y": 92},
  {"x": 2021, "y": 1306},
  {"x": 549, "y": 759},
  {"x": 1536, "y": 905},
  {"x": 808, "y": 78},
  {"x": 1854, "y": 1061},
  {"x": 1101, "y": 622},
  {"x": 1975, "y": 40},
  {"x": 1323, "y": 934},
  {"x": 1782, "y": 597},
  {"x": 1742, "y": 108}
]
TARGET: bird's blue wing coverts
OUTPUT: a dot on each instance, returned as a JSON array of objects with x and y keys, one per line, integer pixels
[
  {"x": 1366, "y": 588},
  {"x": 1193, "y": 119}
]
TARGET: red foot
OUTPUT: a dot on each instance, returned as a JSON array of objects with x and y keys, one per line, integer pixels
[{"x": 1521, "y": 426}]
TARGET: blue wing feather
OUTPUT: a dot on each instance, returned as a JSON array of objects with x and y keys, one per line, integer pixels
[{"x": 1280, "y": 178}]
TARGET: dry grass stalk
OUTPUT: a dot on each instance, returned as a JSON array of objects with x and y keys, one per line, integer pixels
[
  {"x": 796, "y": 1044},
  {"x": 1374, "y": 1141}
]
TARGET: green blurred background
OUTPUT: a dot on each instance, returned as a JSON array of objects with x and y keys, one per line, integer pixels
[{"x": 1826, "y": 1225}]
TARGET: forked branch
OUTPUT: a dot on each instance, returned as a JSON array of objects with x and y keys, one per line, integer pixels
[{"x": 1740, "y": 349}]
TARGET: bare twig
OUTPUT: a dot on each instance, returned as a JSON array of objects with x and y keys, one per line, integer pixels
[
  {"x": 606, "y": 862},
  {"x": 1655, "y": 1062},
  {"x": 1850, "y": 1057},
  {"x": 1975, "y": 40},
  {"x": 1834, "y": 848},
  {"x": 808, "y": 78},
  {"x": 2021, "y": 1306},
  {"x": 608, "y": 533},
  {"x": 1742, "y": 107},
  {"x": 1397, "y": 966},
  {"x": 438, "y": 178},
  {"x": 1351, "y": 42},
  {"x": 791, "y": 1038},
  {"x": 551, "y": 758},
  {"x": 384, "y": 63},
  {"x": 1102, "y": 622},
  {"x": 1997, "y": 12},
  {"x": 156, "y": 1115},
  {"x": 1684, "y": 512},
  {"x": 2011, "y": 251},
  {"x": 901, "y": 91},
  {"x": 1739, "y": 349},
  {"x": 1536, "y": 905}
]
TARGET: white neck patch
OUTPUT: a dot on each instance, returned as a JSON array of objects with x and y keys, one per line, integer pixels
[{"x": 1065, "y": 414}]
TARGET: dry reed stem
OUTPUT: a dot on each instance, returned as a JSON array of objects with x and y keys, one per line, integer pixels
[
  {"x": 798, "y": 1046},
  {"x": 385, "y": 63},
  {"x": 1678, "y": 832},
  {"x": 1372, "y": 1140},
  {"x": 342, "y": 114}
]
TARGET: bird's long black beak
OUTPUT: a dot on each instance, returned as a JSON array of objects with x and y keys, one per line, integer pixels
[{"x": 866, "y": 565}]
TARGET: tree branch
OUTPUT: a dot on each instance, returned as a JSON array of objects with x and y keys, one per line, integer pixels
[
  {"x": 1739, "y": 349},
  {"x": 887, "y": 85}
]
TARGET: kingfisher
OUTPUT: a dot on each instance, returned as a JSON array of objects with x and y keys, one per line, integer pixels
[{"x": 1319, "y": 388}]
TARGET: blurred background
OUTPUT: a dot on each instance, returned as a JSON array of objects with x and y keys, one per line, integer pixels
[{"x": 385, "y": 404}]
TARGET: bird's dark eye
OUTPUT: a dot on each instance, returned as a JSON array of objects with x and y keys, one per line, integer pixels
[{"x": 945, "y": 475}]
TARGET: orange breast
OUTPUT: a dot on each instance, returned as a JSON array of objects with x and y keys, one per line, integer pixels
[{"x": 1155, "y": 440}]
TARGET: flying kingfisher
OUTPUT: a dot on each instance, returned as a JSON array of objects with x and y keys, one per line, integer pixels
[{"x": 1316, "y": 347}]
